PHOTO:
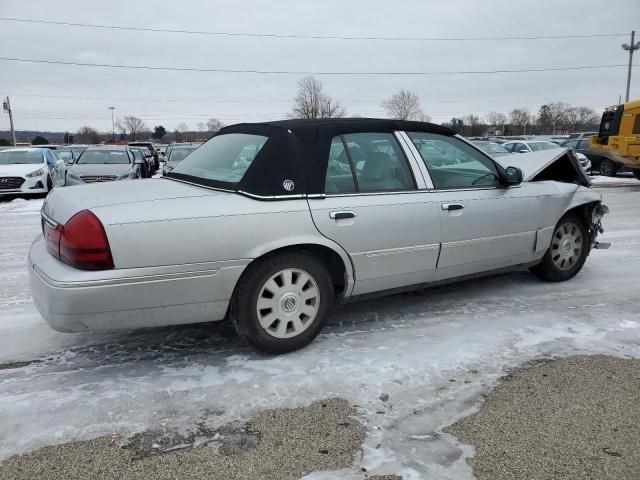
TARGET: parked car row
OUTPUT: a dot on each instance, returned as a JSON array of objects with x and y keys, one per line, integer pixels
[{"x": 37, "y": 170}]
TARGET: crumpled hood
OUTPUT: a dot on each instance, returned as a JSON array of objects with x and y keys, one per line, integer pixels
[
  {"x": 19, "y": 169},
  {"x": 63, "y": 203},
  {"x": 534, "y": 163}
]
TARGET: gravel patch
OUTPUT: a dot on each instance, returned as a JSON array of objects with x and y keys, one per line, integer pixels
[
  {"x": 572, "y": 418},
  {"x": 275, "y": 444}
]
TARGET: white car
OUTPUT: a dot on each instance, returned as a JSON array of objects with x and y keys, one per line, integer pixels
[
  {"x": 528, "y": 146},
  {"x": 30, "y": 171}
]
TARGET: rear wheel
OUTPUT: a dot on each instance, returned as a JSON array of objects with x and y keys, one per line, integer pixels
[
  {"x": 49, "y": 183},
  {"x": 567, "y": 253},
  {"x": 608, "y": 168},
  {"x": 281, "y": 302}
]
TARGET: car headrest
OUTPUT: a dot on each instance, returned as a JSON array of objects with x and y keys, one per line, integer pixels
[{"x": 377, "y": 166}]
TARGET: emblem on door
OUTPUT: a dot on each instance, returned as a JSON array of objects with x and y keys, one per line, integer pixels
[{"x": 288, "y": 185}]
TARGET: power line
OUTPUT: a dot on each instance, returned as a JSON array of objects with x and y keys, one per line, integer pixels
[
  {"x": 303, "y": 36},
  {"x": 289, "y": 101},
  {"x": 302, "y": 72}
]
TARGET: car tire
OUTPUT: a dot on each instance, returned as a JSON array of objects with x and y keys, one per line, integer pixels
[
  {"x": 281, "y": 302},
  {"x": 608, "y": 168},
  {"x": 49, "y": 183},
  {"x": 636, "y": 173},
  {"x": 567, "y": 253}
]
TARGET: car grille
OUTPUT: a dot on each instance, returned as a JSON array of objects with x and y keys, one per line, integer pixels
[
  {"x": 101, "y": 178},
  {"x": 11, "y": 183}
]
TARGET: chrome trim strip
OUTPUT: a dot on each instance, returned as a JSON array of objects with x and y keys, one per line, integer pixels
[
  {"x": 271, "y": 197},
  {"x": 125, "y": 280},
  {"x": 50, "y": 221},
  {"x": 395, "y": 251},
  {"x": 414, "y": 165},
  {"x": 424, "y": 171},
  {"x": 475, "y": 241}
]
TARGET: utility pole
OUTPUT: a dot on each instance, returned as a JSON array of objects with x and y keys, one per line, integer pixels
[
  {"x": 113, "y": 125},
  {"x": 6, "y": 105},
  {"x": 631, "y": 47}
]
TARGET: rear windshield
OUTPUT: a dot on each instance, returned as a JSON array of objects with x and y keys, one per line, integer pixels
[
  {"x": 24, "y": 157},
  {"x": 536, "y": 146},
  {"x": 179, "y": 154},
  {"x": 224, "y": 158},
  {"x": 101, "y": 157}
]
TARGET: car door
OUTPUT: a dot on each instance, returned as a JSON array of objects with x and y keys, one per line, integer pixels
[
  {"x": 484, "y": 226},
  {"x": 56, "y": 168},
  {"x": 376, "y": 207}
]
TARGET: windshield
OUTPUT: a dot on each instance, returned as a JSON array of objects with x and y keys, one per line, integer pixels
[
  {"x": 491, "y": 147},
  {"x": 97, "y": 157},
  {"x": 179, "y": 154},
  {"x": 224, "y": 158},
  {"x": 536, "y": 146},
  {"x": 22, "y": 157}
]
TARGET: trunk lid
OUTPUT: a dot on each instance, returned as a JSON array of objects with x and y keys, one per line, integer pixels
[{"x": 150, "y": 195}]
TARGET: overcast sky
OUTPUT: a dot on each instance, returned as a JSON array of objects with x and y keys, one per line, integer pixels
[{"x": 53, "y": 97}]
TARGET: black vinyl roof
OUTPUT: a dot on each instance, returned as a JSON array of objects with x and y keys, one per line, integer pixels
[
  {"x": 297, "y": 152},
  {"x": 351, "y": 124}
]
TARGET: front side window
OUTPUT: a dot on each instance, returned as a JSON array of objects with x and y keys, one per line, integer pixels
[
  {"x": 103, "y": 157},
  {"x": 224, "y": 158},
  {"x": 570, "y": 144},
  {"x": 367, "y": 162},
  {"x": 454, "y": 164}
]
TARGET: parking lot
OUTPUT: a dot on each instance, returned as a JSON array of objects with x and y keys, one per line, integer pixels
[{"x": 409, "y": 365}]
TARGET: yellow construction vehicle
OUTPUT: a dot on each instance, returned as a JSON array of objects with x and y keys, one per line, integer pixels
[{"x": 619, "y": 135}]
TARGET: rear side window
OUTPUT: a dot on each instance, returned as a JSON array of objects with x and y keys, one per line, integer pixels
[
  {"x": 453, "y": 163},
  {"x": 224, "y": 158},
  {"x": 367, "y": 162}
]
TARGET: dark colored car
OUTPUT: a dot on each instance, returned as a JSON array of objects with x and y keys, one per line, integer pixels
[
  {"x": 599, "y": 163},
  {"x": 152, "y": 149}
]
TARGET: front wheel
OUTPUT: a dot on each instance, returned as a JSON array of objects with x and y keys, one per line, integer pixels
[
  {"x": 608, "y": 168},
  {"x": 281, "y": 302},
  {"x": 567, "y": 253}
]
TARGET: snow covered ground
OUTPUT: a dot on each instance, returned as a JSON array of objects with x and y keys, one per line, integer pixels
[{"x": 433, "y": 353}]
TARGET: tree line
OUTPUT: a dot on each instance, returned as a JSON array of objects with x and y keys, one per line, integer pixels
[
  {"x": 312, "y": 102},
  {"x": 553, "y": 118}
]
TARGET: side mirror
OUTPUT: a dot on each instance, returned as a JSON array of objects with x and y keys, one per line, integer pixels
[
  {"x": 512, "y": 176},
  {"x": 523, "y": 151}
]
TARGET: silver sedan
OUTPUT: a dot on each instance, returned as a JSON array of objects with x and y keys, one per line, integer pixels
[{"x": 268, "y": 225}]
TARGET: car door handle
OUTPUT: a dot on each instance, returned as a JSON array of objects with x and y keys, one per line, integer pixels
[
  {"x": 340, "y": 215},
  {"x": 452, "y": 206}
]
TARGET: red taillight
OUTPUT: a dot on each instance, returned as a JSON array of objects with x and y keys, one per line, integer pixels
[{"x": 82, "y": 243}]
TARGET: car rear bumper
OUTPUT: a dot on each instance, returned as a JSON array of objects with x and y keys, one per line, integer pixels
[{"x": 72, "y": 300}]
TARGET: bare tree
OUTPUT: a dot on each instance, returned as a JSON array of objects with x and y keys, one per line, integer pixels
[
  {"x": 213, "y": 125},
  {"x": 88, "y": 134},
  {"x": 520, "y": 117},
  {"x": 312, "y": 102},
  {"x": 475, "y": 125},
  {"x": 580, "y": 117},
  {"x": 181, "y": 132},
  {"x": 496, "y": 120},
  {"x": 405, "y": 105},
  {"x": 131, "y": 126},
  {"x": 557, "y": 114}
]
